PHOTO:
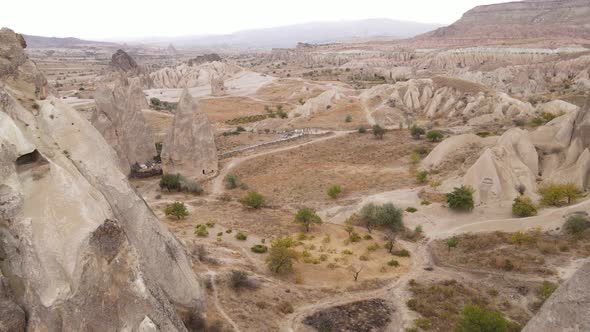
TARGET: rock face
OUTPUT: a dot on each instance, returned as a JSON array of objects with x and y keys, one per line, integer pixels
[
  {"x": 201, "y": 59},
  {"x": 321, "y": 103},
  {"x": 192, "y": 76},
  {"x": 217, "y": 86},
  {"x": 521, "y": 21},
  {"x": 118, "y": 117},
  {"x": 567, "y": 308},
  {"x": 123, "y": 61},
  {"x": 80, "y": 249},
  {"x": 189, "y": 147}
]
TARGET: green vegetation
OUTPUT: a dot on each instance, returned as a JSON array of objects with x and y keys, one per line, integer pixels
[
  {"x": 546, "y": 289},
  {"x": 559, "y": 194},
  {"x": 177, "y": 182},
  {"x": 422, "y": 177},
  {"x": 452, "y": 243},
  {"x": 241, "y": 236},
  {"x": 381, "y": 215},
  {"x": 259, "y": 248},
  {"x": 434, "y": 135},
  {"x": 477, "y": 319},
  {"x": 416, "y": 131},
  {"x": 177, "y": 209},
  {"x": 523, "y": 207},
  {"x": 411, "y": 209},
  {"x": 201, "y": 231},
  {"x": 334, "y": 191},
  {"x": 253, "y": 200},
  {"x": 393, "y": 263},
  {"x": 378, "y": 131},
  {"x": 307, "y": 217},
  {"x": 348, "y": 119},
  {"x": 461, "y": 199},
  {"x": 246, "y": 119},
  {"x": 231, "y": 181},
  {"x": 160, "y": 105},
  {"x": 576, "y": 225},
  {"x": 543, "y": 119},
  {"x": 362, "y": 130},
  {"x": 281, "y": 255}
]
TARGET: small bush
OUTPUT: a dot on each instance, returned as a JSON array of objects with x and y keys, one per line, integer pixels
[
  {"x": 576, "y": 225},
  {"x": 231, "y": 181},
  {"x": 401, "y": 253},
  {"x": 415, "y": 158},
  {"x": 347, "y": 252},
  {"x": 354, "y": 237},
  {"x": 425, "y": 203},
  {"x": 423, "y": 323},
  {"x": 411, "y": 209},
  {"x": 259, "y": 248},
  {"x": 434, "y": 135},
  {"x": 559, "y": 194},
  {"x": 546, "y": 289},
  {"x": 241, "y": 236},
  {"x": 416, "y": 131},
  {"x": 476, "y": 318},
  {"x": 461, "y": 199},
  {"x": 421, "y": 150},
  {"x": 201, "y": 231},
  {"x": 170, "y": 182},
  {"x": 348, "y": 119},
  {"x": 177, "y": 209},
  {"x": 334, "y": 191},
  {"x": 239, "y": 279},
  {"x": 253, "y": 200},
  {"x": 422, "y": 177},
  {"x": 523, "y": 207},
  {"x": 378, "y": 131},
  {"x": 362, "y": 130},
  {"x": 393, "y": 263},
  {"x": 286, "y": 307}
]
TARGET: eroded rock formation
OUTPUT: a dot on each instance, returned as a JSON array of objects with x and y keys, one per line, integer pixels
[
  {"x": 189, "y": 147},
  {"x": 192, "y": 76},
  {"x": 123, "y": 61},
  {"x": 81, "y": 250},
  {"x": 118, "y": 117},
  {"x": 217, "y": 86}
]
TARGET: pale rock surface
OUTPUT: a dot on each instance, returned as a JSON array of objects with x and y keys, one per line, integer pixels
[
  {"x": 189, "y": 76},
  {"x": 318, "y": 104},
  {"x": 452, "y": 147},
  {"x": 189, "y": 147},
  {"x": 82, "y": 248},
  {"x": 568, "y": 307},
  {"x": 217, "y": 86},
  {"x": 118, "y": 117}
]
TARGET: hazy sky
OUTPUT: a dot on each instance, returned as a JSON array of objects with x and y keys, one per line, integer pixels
[{"x": 102, "y": 19}]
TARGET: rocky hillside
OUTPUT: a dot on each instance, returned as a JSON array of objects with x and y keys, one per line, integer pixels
[
  {"x": 80, "y": 250},
  {"x": 548, "y": 22}
]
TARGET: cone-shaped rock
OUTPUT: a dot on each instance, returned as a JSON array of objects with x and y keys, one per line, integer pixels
[{"x": 189, "y": 147}]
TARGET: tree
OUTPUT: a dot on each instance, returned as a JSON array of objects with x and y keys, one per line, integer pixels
[
  {"x": 390, "y": 235},
  {"x": 253, "y": 200},
  {"x": 461, "y": 199},
  {"x": 434, "y": 135},
  {"x": 281, "y": 254},
  {"x": 390, "y": 217},
  {"x": 356, "y": 271},
  {"x": 555, "y": 194},
  {"x": 477, "y": 319},
  {"x": 348, "y": 227},
  {"x": 334, "y": 191},
  {"x": 177, "y": 209},
  {"x": 307, "y": 217},
  {"x": 571, "y": 192},
  {"x": 378, "y": 131},
  {"x": 369, "y": 216},
  {"x": 452, "y": 243},
  {"x": 422, "y": 176},
  {"x": 523, "y": 207},
  {"x": 416, "y": 131}
]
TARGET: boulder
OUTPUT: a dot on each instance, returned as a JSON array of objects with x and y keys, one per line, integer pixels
[
  {"x": 122, "y": 61},
  {"x": 189, "y": 147}
]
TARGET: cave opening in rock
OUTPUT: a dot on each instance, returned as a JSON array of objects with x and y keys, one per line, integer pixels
[{"x": 29, "y": 158}]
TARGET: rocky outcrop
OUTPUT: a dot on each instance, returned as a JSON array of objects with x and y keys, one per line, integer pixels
[
  {"x": 81, "y": 251},
  {"x": 123, "y": 62},
  {"x": 189, "y": 147},
  {"x": 118, "y": 117},
  {"x": 201, "y": 59},
  {"x": 567, "y": 308},
  {"x": 192, "y": 76},
  {"x": 217, "y": 86},
  {"x": 321, "y": 103}
]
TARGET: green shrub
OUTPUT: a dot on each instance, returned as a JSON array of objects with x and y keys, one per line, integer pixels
[
  {"x": 546, "y": 289},
  {"x": 362, "y": 130},
  {"x": 523, "y": 207},
  {"x": 253, "y": 200},
  {"x": 422, "y": 177},
  {"x": 559, "y": 194},
  {"x": 259, "y": 248},
  {"x": 334, "y": 191},
  {"x": 231, "y": 181},
  {"x": 425, "y": 203},
  {"x": 421, "y": 150},
  {"x": 170, "y": 182},
  {"x": 393, "y": 263},
  {"x": 434, "y": 135},
  {"x": 348, "y": 119},
  {"x": 401, "y": 253},
  {"x": 378, "y": 131},
  {"x": 411, "y": 209},
  {"x": 307, "y": 217},
  {"x": 475, "y": 318},
  {"x": 281, "y": 255},
  {"x": 461, "y": 199},
  {"x": 423, "y": 323},
  {"x": 191, "y": 186},
  {"x": 452, "y": 243},
  {"x": 416, "y": 131},
  {"x": 177, "y": 209},
  {"x": 241, "y": 236},
  {"x": 576, "y": 225},
  {"x": 201, "y": 231},
  {"x": 354, "y": 237}
]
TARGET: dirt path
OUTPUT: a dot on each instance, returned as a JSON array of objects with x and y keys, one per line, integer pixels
[
  {"x": 217, "y": 187},
  {"x": 217, "y": 304}
]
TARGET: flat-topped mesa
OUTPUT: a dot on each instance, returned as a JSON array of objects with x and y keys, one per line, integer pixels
[
  {"x": 123, "y": 61},
  {"x": 118, "y": 117},
  {"x": 189, "y": 147}
]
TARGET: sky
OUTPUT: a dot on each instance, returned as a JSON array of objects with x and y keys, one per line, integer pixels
[{"x": 128, "y": 19}]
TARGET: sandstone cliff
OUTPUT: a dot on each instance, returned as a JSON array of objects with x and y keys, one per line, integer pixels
[{"x": 80, "y": 249}]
